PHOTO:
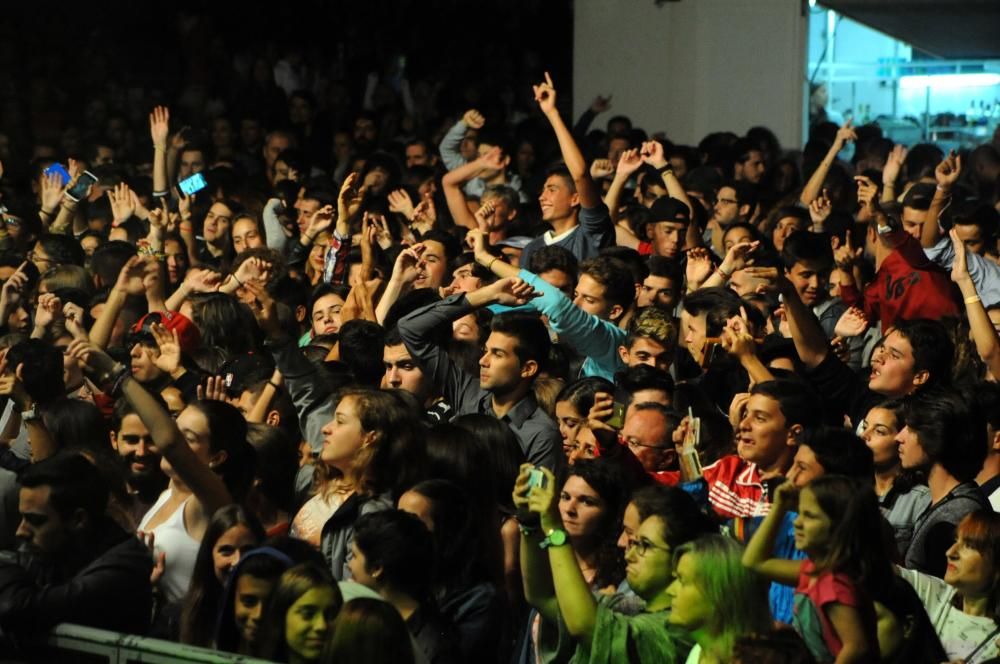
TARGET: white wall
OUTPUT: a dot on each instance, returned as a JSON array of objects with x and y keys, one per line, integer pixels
[{"x": 696, "y": 66}]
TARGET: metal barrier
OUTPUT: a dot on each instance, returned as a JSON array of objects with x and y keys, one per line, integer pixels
[{"x": 75, "y": 644}]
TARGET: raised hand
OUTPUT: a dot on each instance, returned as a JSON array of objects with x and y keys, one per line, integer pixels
[
  {"x": 98, "y": 365},
  {"x": 867, "y": 193},
  {"x": 378, "y": 229},
  {"x": 320, "y": 221},
  {"x": 12, "y": 293},
  {"x": 131, "y": 276},
  {"x": 852, "y": 323},
  {"x": 512, "y": 292},
  {"x": 652, "y": 154},
  {"x": 51, "y": 192},
  {"x": 12, "y": 387},
  {"x": 737, "y": 257},
  {"x": 545, "y": 95},
  {"x": 484, "y": 214},
  {"x": 169, "y": 359},
  {"x": 201, "y": 280},
  {"x": 845, "y": 134},
  {"x": 400, "y": 203},
  {"x": 159, "y": 126},
  {"x": 947, "y": 171},
  {"x": 894, "y": 164},
  {"x": 494, "y": 159},
  {"x": 122, "y": 204},
  {"x": 49, "y": 310},
  {"x": 73, "y": 315},
  {"x": 846, "y": 255},
  {"x": 478, "y": 241},
  {"x": 473, "y": 119},
  {"x": 775, "y": 278},
  {"x": 601, "y": 104},
  {"x": 820, "y": 209},
  {"x": 736, "y": 338},
  {"x": 737, "y": 408},
  {"x": 629, "y": 162},
  {"x": 601, "y": 168},
  {"x": 349, "y": 198},
  {"x": 253, "y": 269},
  {"x": 214, "y": 390},
  {"x": 425, "y": 213},
  {"x": 405, "y": 269},
  {"x": 699, "y": 266}
]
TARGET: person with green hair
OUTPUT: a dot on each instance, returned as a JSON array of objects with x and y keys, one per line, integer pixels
[{"x": 716, "y": 598}]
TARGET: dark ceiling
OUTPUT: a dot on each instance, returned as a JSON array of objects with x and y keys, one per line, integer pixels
[{"x": 955, "y": 29}]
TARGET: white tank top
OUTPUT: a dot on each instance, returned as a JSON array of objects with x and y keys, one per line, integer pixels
[{"x": 172, "y": 538}]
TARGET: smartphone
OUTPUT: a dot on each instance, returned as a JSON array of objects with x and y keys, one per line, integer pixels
[
  {"x": 60, "y": 170},
  {"x": 536, "y": 478},
  {"x": 690, "y": 460},
  {"x": 617, "y": 419},
  {"x": 193, "y": 184},
  {"x": 83, "y": 183}
]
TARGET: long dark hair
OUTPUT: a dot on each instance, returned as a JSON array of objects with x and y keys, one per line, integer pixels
[
  {"x": 228, "y": 433},
  {"x": 610, "y": 484},
  {"x": 857, "y": 547},
  {"x": 200, "y": 605}
]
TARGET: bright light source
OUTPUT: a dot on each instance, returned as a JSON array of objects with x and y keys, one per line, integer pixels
[
  {"x": 949, "y": 81},
  {"x": 812, "y": 3}
]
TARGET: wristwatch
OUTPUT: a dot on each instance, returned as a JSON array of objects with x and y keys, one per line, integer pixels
[
  {"x": 30, "y": 415},
  {"x": 554, "y": 537}
]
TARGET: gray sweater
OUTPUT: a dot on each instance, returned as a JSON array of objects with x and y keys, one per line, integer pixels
[{"x": 934, "y": 530}]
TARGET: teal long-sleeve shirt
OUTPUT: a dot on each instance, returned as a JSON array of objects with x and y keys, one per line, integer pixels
[{"x": 595, "y": 338}]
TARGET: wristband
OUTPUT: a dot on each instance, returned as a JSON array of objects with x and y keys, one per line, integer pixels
[
  {"x": 722, "y": 273},
  {"x": 237, "y": 280},
  {"x": 665, "y": 169},
  {"x": 277, "y": 388},
  {"x": 972, "y": 299},
  {"x": 528, "y": 531},
  {"x": 160, "y": 194},
  {"x": 490, "y": 266}
]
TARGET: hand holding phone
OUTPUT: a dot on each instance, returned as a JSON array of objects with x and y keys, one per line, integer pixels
[
  {"x": 192, "y": 185},
  {"x": 83, "y": 183},
  {"x": 690, "y": 461},
  {"x": 536, "y": 478}
]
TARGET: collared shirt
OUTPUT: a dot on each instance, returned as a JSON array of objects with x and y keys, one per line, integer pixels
[{"x": 535, "y": 430}]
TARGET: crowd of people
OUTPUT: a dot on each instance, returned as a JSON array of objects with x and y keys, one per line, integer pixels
[{"x": 409, "y": 383}]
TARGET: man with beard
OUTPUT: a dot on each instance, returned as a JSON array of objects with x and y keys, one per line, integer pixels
[
  {"x": 74, "y": 563},
  {"x": 132, "y": 440}
]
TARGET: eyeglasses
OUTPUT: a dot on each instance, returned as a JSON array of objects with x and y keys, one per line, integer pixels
[
  {"x": 633, "y": 443},
  {"x": 35, "y": 258},
  {"x": 642, "y": 547}
]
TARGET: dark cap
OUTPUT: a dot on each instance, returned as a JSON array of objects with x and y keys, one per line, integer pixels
[
  {"x": 242, "y": 371},
  {"x": 919, "y": 196},
  {"x": 666, "y": 208}
]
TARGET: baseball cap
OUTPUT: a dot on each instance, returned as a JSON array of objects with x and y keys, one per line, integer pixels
[
  {"x": 239, "y": 372},
  {"x": 187, "y": 332},
  {"x": 666, "y": 208}
]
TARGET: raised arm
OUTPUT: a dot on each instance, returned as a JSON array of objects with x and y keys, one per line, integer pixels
[
  {"x": 454, "y": 180},
  {"x": 159, "y": 130},
  {"x": 814, "y": 186},
  {"x": 810, "y": 340},
  {"x": 983, "y": 333},
  {"x": 946, "y": 174},
  {"x": 628, "y": 163},
  {"x": 535, "y": 574},
  {"x": 40, "y": 440},
  {"x": 545, "y": 95},
  {"x": 452, "y": 158},
  {"x": 172, "y": 443},
  {"x": 652, "y": 154},
  {"x": 129, "y": 283},
  {"x": 577, "y": 605},
  {"x": 758, "y": 556},
  {"x": 890, "y": 172}
]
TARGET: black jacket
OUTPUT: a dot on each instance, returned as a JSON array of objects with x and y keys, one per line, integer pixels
[{"x": 111, "y": 591}]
